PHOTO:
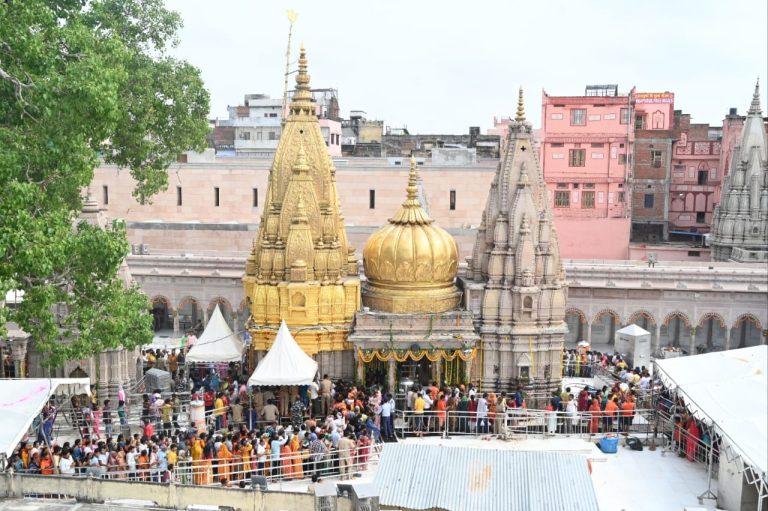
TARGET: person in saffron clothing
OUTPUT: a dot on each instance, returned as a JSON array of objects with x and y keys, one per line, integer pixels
[
  {"x": 694, "y": 436},
  {"x": 440, "y": 406},
  {"x": 286, "y": 460},
  {"x": 225, "y": 459},
  {"x": 296, "y": 458},
  {"x": 594, "y": 412}
]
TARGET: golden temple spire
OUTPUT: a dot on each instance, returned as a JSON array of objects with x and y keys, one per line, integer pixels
[
  {"x": 520, "y": 117},
  {"x": 412, "y": 212}
]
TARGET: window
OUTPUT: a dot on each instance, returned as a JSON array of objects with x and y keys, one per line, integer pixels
[
  {"x": 648, "y": 204},
  {"x": 624, "y": 119},
  {"x": 272, "y": 135},
  {"x": 258, "y": 135},
  {"x": 105, "y": 189},
  {"x": 656, "y": 159},
  {"x": 246, "y": 135},
  {"x": 589, "y": 185},
  {"x": 255, "y": 197},
  {"x": 371, "y": 199},
  {"x": 701, "y": 217},
  {"x": 639, "y": 122},
  {"x": 587, "y": 199},
  {"x": 703, "y": 175},
  {"x": 216, "y": 196},
  {"x": 578, "y": 117},
  {"x": 622, "y": 159},
  {"x": 178, "y": 196},
  {"x": 575, "y": 186},
  {"x": 557, "y": 144},
  {"x": 597, "y": 145},
  {"x": 576, "y": 157},
  {"x": 621, "y": 196},
  {"x": 452, "y": 200},
  {"x": 562, "y": 185},
  {"x": 562, "y": 199},
  {"x": 694, "y": 253}
]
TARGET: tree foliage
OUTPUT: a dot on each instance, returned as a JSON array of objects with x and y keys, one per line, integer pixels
[{"x": 79, "y": 81}]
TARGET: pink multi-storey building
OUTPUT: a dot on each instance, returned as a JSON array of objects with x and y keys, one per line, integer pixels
[{"x": 586, "y": 148}]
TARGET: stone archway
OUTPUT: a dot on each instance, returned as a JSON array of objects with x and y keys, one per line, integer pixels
[
  {"x": 190, "y": 315},
  {"x": 645, "y": 320},
  {"x": 577, "y": 327},
  {"x": 746, "y": 332},
  {"x": 162, "y": 313},
  {"x": 602, "y": 329},
  {"x": 675, "y": 331},
  {"x": 711, "y": 333}
]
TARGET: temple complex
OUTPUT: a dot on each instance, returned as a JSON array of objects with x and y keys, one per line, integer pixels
[
  {"x": 515, "y": 281},
  {"x": 740, "y": 227},
  {"x": 301, "y": 267},
  {"x": 411, "y": 326}
]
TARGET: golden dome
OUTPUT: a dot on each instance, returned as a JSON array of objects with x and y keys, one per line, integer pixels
[{"x": 410, "y": 263}]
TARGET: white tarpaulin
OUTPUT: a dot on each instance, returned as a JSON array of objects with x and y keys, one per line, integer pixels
[
  {"x": 730, "y": 388},
  {"x": 218, "y": 343},
  {"x": 285, "y": 363},
  {"x": 22, "y": 400}
]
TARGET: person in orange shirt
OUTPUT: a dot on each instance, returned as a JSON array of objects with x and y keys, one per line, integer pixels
[
  {"x": 627, "y": 415},
  {"x": 46, "y": 463},
  {"x": 143, "y": 466},
  {"x": 440, "y": 407},
  {"x": 611, "y": 407}
]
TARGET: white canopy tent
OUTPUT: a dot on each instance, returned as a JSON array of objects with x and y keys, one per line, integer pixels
[
  {"x": 285, "y": 363},
  {"x": 23, "y": 400},
  {"x": 217, "y": 343},
  {"x": 730, "y": 389}
]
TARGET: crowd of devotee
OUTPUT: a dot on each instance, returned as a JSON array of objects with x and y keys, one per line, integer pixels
[{"x": 328, "y": 428}]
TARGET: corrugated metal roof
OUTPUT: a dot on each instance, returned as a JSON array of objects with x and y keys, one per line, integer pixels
[{"x": 423, "y": 477}]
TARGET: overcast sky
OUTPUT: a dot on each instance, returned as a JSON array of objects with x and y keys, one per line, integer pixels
[{"x": 442, "y": 66}]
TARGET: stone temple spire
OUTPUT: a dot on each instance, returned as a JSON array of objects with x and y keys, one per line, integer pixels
[
  {"x": 520, "y": 116},
  {"x": 740, "y": 224},
  {"x": 302, "y": 243},
  {"x": 516, "y": 260}
]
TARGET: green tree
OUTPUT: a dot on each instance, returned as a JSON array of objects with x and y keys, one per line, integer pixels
[{"x": 79, "y": 81}]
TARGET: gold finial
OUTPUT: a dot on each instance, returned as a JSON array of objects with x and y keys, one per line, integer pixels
[
  {"x": 301, "y": 164},
  {"x": 413, "y": 182},
  {"x": 302, "y": 101},
  {"x": 520, "y": 117}
]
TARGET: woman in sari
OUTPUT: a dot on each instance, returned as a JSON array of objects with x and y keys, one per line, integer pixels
[
  {"x": 225, "y": 461},
  {"x": 245, "y": 456},
  {"x": 196, "y": 450},
  {"x": 286, "y": 461},
  {"x": 364, "y": 447},
  {"x": 594, "y": 411},
  {"x": 296, "y": 461}
]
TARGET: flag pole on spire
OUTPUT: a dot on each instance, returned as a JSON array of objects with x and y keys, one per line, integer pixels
[{"x": 292, "y": 16}]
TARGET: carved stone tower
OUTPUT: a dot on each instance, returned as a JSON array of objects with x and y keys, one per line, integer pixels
[
  {"x": 301, "y": 268},
  {"x": 515, "y": 275},
  {"x": 740, "y": 225}
]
